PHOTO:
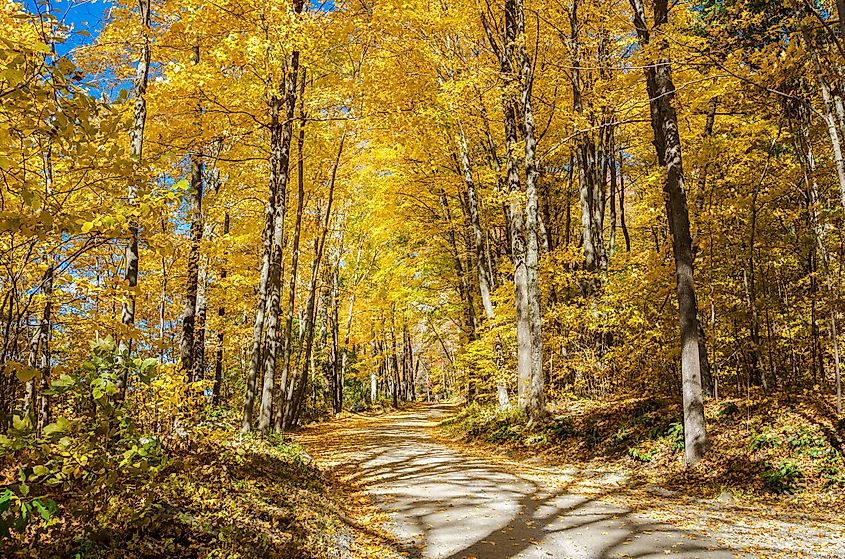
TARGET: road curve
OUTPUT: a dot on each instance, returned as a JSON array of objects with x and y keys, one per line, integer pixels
[{"x": 445, "y": 505}]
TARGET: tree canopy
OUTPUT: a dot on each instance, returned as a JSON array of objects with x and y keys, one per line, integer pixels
[{"x": 272, "y": 211}]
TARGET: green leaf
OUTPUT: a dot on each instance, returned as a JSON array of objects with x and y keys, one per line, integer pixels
[
  {"x": 146, "y": 368},
  {"x": 41, "y": 47},
  {"x": 10, "y": 223},
  {"x": 58, "y": 427},
  {"x": 13, "y": 366},
  {"x": 21, "y": 424},
  {"x": 148, "y": 364},
  {"x": 40, "y": 470},
  {"x": 23, "y": 517},
  {"x": 66, "y": 66},
  {"x": 6, "y": 499},
  {"x": 43, "y": 510},
  {"x": 64, "y": 382}
]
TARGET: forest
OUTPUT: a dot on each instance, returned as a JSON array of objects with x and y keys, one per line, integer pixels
[{"x": 251, "y": 248}]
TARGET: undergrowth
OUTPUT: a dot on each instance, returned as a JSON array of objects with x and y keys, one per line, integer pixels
[
  {"x": 763, "y": 446},
  {"x": 165, "y": 475},
  {"x": 219, "y": 495}
]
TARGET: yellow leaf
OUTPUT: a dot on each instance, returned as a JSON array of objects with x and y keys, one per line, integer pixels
[{"x": 26, "y": 374}]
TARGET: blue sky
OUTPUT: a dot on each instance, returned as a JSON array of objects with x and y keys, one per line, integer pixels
[
  {"x": 88, "y": 15},
  {"x": 81, "y": 15}
]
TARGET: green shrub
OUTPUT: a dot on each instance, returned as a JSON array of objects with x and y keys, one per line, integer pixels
[
  {"x": 807, "y": 442},
  {"x": 537, "y": 440},
  {"x": 503, "y": 433},
  {"x": 782, "y": 478},
  {"x": 727, "y": 409},
  {"x": 592, "y": 436},
  {"x": 561, "y": 428},
  {"x": 646, "y": 407},
  {"x": 487, "y": 423},
  {"x": 621, "y": 435},
  {"x": 765, "y": 439},
  {"x": 293, "y": 454},
  {"x": 832, "y": 468},
  {"x": 18, "y": 509},
  {"x": 675, "y": 434},
  {"x": 641, "y": 455},
  {"x": 87, "y": 453}
]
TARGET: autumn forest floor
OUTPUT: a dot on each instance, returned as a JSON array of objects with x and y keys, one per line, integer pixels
[
  {"x": 219, "y": 495},
  {"x": 447, "y": 481},
  {"x": 447, "y": 498}
]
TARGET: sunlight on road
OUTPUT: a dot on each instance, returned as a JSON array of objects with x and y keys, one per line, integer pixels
[{"x": 444, "y": 505}]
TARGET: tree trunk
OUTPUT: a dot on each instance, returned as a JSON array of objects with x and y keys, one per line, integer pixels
[
  {"x": 39, "y": 358},
  {"x": 514, "y": 211},
  {"x": 162, "y": 305},
  {"x": 464, "y": 293},
  {"x": 708, "y": 384},
  {"x": 534, "y": 403},
  {"x": 591, "y": 231},
  {"x": 813, "y": 199},
  {"x": 702, "y": 179},
  {"x": 325, "y": 351},
  {"x": 337, "y": 373},
  {"x": 501, "y": 188},
  {"x": 136, "y": 144},
  {"x": 394, "y": 359},
  {"x": 280, "y": 135},
  {"x": 46, "y": 336},
  {"x": 833, "y": 134},
  {"x": 198, "y": 349},
  {"x": 221, "y": 312},
  {"x": 475, "y": 220},
  {"x": 622, "y": 223},
  {"x": 186, "y": 345},
  {"x": 258, "y": 325},
  {"x": 484, "y": 277},
  {"x": 345, "y": 349},
  {"x": 661, "y": 90},
  {"x": 611, "y": 155},
  {"x": 284, "y": 395},
  {"x": 311, "y": 316}
]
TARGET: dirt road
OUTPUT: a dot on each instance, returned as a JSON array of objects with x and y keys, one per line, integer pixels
[{"x": 445, "y": 505}]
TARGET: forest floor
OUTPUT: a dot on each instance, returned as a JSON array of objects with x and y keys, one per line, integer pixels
[
  {"x": 218, "y": 495},
  {"x": 448, "y": 500}
]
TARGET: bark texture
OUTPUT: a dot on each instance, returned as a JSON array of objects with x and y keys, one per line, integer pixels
[
  {"x": 667, "y": 141},
  {"x": 136, "y": 144}
]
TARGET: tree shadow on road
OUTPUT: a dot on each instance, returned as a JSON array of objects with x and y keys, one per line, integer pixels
[{"x": 446, "y": 505}]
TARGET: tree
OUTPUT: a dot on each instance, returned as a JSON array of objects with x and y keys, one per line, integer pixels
[
  {"x": 667, "y": 142},
  {"x": 136, "y": 150}
]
